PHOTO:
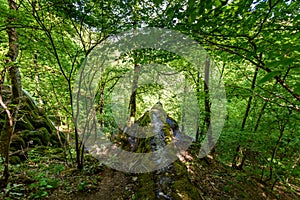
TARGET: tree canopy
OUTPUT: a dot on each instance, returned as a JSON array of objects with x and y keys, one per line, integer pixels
[{"x": 252, "y": 44}]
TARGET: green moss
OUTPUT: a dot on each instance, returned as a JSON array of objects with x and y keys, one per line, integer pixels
[
  {"x": 41, "y": 121},
  {"x": 14, "y": 160},
  {"x": 29, "y": 110},
  {"x": 168, "y": 133},
  {"x": 33, "y": 127},
  {"x": 146, "y": 187},
  {"x": 55, "y": 140},
  {"x": 185, "y": 190},
  {"x": 24, "y": 124},
  {"x": 44, "y": 136},
  {"x": 28, "y": 103},
  {"x": 35, "y": 142},
  {"x": 145, "y": 120},
  {"x": 183, "y": 187},
  {"x": 24, "y": 135},
  {"x": 179, "y": 168},
  {"x": 17, "y": 143},
  {"x": 144, "y": 145},
  {"x": 32, "y": 137}
]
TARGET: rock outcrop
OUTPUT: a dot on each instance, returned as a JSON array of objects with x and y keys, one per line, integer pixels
[{"x": 33, "y": 127}]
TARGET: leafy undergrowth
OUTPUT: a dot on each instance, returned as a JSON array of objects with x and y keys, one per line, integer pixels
[{"x": 46, "y": 176}]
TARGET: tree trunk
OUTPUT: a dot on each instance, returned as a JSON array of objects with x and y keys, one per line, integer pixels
[
  {"x": 5, "y": 135},
  {"x": 37, "y": 79},
  {"x": 183, "y": 114},
  {"x": 207, "y": 119},
  {"x": 281, "y": 127},
  {"x": 206, "y": 93},
  {"x": 239, "y": 148},
  {"x": 260, "y": 115},
  {"x": 132, "y": 102},
  {"x": 16, "y": 87},
  {"x": 198, "y": 132},
  {"x": 102, "y": 99},
  {"x": 250, "y": 99},
  {"x": 13, "y": 52}
]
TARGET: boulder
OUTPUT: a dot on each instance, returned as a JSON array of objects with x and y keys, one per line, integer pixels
[{"x": 33, "y": 127}]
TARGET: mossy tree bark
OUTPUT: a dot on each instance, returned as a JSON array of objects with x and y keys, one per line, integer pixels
[
  {"x": 207, "y": 106},
  {"x": 198, "y": 92},
  {"x": 132, "y": 102},
  {"x": 5, "y": 135},
  {"x": 13, "y": 52},
  {"x": 16, "y": 86}
]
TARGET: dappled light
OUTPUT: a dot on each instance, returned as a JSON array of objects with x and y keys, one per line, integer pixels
[{"x": 159, "y": 99}]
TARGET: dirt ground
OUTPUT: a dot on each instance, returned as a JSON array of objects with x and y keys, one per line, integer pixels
[{"x": 192, "y": 179}]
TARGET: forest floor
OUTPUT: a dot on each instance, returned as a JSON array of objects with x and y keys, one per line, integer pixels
[{"x": 192, "y": 178}]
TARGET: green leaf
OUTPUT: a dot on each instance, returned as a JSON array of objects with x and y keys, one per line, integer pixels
[
  {"x": 157, "y": 2},
  {"x": 269, "y": 76},
  {"x": 297, "y": 90}
]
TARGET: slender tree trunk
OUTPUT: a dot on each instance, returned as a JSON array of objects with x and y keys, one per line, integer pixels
[
  {"x": 183, "y": 115},
  {"x": 102, "y": 98},
  {"x": 16, "y": 86},
  {"x": 132, "y": 102},
  {"x": 136, "y": 70},
  {"x": 238, "y": 149},
  {"x": 281, "y": 126},
  {"x": 12, "y": 55},
  {"x": 206, "y": 93},
  {"x": 260, "y": 115},
  {"x": 207, "y": 118},
  {"x": 250, "y": 99},
  {"x": 78, "y": 144},
  {"x": 198, "y": 133},
  {"x": 37, "y": 79},
  {"x": 5, "y": 135}
]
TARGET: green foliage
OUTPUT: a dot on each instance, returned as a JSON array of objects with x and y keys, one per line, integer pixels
[
  {"x": 42, "y": 185},
  {"x": 82, "y": 186},
  {"x": 269, "y": 76},
  {"x": 55, "y": 37}
]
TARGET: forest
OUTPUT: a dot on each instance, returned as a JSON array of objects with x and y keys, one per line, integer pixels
[{"x": 161, "y": 99}]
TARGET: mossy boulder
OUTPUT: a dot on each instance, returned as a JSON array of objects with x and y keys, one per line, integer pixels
[
  {"x": 24, "y": 124},
  {"x": 15, "y": 160},
  {"x": 33, "y": 127},
  {"x": 185, "y": 189},
  {"x": 146, "y": 187},
  {"x": 144, "y": 145}
]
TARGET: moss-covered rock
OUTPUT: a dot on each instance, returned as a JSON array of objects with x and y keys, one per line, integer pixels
[
  {"x": 145, "y": 120},
  {"x": 43, "y": 121},
  {"x": 33, "y": 127},
  {"x": 143, "y": 124},
  {"x": 24, "y": 124},
  {"x": 17, "y": 143},
  {"x": 144, "y": 145},
  {"x": 183, "y": 186},
  {"x": 146, "y": 187},
  {"x": 45, "y": 136},
  {"x": 15, "y": 160}
]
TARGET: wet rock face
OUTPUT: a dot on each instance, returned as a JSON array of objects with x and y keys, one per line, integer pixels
[
  {"x": 33, "y": 127},
  {"x": 152, "y": 131}
]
